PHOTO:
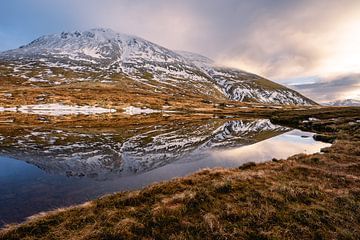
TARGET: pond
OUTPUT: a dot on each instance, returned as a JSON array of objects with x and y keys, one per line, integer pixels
[{"x": 43, "y": 168}]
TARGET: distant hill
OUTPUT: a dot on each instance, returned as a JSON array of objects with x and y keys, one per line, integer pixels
[{"x": 346, "y": 102}]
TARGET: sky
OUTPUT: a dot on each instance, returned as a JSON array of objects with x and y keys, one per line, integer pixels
[{"x": 312, "y": 46}]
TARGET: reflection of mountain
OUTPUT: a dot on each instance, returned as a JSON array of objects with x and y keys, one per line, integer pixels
[{"x": 128, "y": 151}]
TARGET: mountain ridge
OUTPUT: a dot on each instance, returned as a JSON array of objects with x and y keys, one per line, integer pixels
[
  {"x": 345, "y": 102},
  {"x": 106, "y": 51}
]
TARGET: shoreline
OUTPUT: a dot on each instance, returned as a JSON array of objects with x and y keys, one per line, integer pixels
[{"x": 315, "y": 195}]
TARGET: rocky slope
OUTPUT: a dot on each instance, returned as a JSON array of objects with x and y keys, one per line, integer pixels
[{"x": 100, "y": 54}]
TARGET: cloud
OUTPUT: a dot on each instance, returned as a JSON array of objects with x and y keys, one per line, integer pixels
[
  {"x": 279, "y": 39},
  {"x": 344, "y": 87},
  {"x": 307, "y": 38}
]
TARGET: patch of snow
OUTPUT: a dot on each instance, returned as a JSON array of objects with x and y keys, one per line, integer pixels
[
  {"x": 313, "y": 119},
  {"x": 135, "y": 110},
  {"x": 5, "y": 109},
  {"x": 57, "y": 109},
  {"x": 7, "y": 121},
  {"x": 7, "y": 95},
  {"x": 92, "y": 52},
  {"x": 37, "y": 80}
]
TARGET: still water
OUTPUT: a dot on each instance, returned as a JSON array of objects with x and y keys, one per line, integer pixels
[{"x": 46, "y": 168}]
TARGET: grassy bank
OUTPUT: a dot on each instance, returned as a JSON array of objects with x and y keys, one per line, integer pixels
[{"x": 304, "y": 197}]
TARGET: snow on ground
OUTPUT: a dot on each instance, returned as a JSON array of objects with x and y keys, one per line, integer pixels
[
  {"x": 313, "y": 119},
  {"x": 57, "y": 109},
  {"x": 7, "y": 95},
  {"x": 4, "y": 109},
  {"x": 92, "y": 52},
  {"x": 135, "y": 110},
  {"x": 37, "y": 80}
]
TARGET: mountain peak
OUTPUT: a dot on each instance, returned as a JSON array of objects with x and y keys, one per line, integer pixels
[
  {"x": 104, "y": 50},
  {"x": 80, "y": 39},
  {"x": 100, "y": 34}
]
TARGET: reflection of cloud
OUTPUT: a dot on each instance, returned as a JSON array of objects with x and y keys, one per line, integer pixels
[
  {"x": 339, "y": 88},
  {"x": 280, "y": 147}
]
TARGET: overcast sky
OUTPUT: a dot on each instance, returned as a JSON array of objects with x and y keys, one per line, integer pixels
[{"x": 307, "y": 44}]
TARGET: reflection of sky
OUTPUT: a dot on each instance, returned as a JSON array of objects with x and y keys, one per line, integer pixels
[
  {"x": 278, "y": 147},
  {"x": 11, "y": 169}
]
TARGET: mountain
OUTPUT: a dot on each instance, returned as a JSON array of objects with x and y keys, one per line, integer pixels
[
  {"x": 346, "y": 102},
  {"x": 100, "y": 54}
]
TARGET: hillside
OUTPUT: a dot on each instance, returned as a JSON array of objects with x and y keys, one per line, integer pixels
[{"x": 134, "y": 66}]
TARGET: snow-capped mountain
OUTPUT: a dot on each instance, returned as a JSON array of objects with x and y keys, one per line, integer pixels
[
  {"x": 346, "y": 102},
  {"x": 106, "y": 51}
]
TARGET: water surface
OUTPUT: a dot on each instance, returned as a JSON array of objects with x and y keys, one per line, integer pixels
[{"x": 45, "y": 168}]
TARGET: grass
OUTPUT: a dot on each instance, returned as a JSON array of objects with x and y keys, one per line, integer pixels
[
  {"x": 313, "y": 196},
  {"x": 86, "y": 88},
  {"x": 118, "y": 91}
]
